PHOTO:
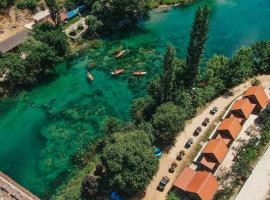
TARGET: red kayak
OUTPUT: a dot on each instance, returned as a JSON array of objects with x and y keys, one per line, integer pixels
[
  {"x": 121, "y": 53},
  {"x": 117, "y": 72},
  {"x": 139, "y": 73},
  {"x": 90, "y": 76}
]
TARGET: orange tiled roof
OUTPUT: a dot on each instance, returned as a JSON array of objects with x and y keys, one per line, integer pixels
[
  {"x": 245, "y": 106},
  {"x": 225, "y": 140},
  {"x": 204, "y": 184},
  {"x": 216, "y": 147},
  {"x": 259, "y": 94},
  {"x": 209, "y": 163},
  {"x": 232, "y": 125}
]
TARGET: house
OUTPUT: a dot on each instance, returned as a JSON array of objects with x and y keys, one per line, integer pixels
[
  {"x": 241, "y": 110},
  {"x": 257, "y": 95},
  {"x": 228, "y": 130},
  {"x": 213, "y": 154},
  {"x": 41, "y": 16},
  {"x": 198, "y": 185},
  {"x": 9, "y": 189},
  {"x": 13, "y": 41}
]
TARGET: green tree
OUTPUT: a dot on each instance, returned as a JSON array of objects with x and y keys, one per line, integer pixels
[
  {"x": 217, "y": 69},
  {"x": 129, "y": 162},
  {"x": 261, "y": 56},
  {"x": 94, "y": 26},
  {"x": 173, "y": 196},
  {"x": 111, "y": 125},
  {"x": 40, "y": 60},
  {"x": 13, "y": 70},
  {"x": 53, "y": 36},
  {"x": 168, "y": 121},
  {"x": 198, "y": 37},
  {"x": 168, "y": 78},
  {"x": 6, "y": 3},
  {"x": 142, "y": 109},
  {"x": 54, "y": 11},
  {"x": 241, "y": 67},
  {"x": 89, "y": 187},
  {"x": 119, "y": 15}
]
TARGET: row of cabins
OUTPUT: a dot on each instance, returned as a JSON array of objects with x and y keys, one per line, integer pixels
[
  {"x": 202, "y": 184},
  {"x": 41, "y": 16}
]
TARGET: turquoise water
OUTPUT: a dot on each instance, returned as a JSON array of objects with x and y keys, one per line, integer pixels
[{"x": 41, "y": 129}]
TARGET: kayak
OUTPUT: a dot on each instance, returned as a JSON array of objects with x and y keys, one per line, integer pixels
[
  {"x": 139, "y": 73},
  {"x": 121, "y": 53},
  {"x": 117, "y": 72},
  {"x": 90, "y": 76}
]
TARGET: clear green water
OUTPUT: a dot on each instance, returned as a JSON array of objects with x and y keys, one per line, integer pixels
[{"x": 41, "y": 129}]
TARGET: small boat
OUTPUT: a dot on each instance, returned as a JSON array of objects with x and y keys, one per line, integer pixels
[
  {"x": 139, "y": 73},
  {"x": 117, "y": 72},
  {"x": 121, "y": 53},
  {"x": 90, "y": 76}
]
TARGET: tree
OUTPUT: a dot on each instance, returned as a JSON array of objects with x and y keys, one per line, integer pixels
[
  {"x": 40, "y": 60},
  {"x": 120, "y": 15},
  {"x": 168, "y": 78},
  {"x": 217, "y": 69},
  {"x": 54, "y": 11},
  {"x": 6, "y": 3},
  {"x": 241, "y": 67},
  {"x": 111, "y": 125},
  {"x": 261, "y": 56},
  {"x": 129, "y": 162},
  {"x": 13, "y": 70},
  {"x": 168, "y": 121},
  {"x": 53, "y": 36},
  {"x": 89, "y": 187},
  {"x": 94, "y": 26},
  {"x": 198, "y": 37},
  {"x": 142, "y": 109}
]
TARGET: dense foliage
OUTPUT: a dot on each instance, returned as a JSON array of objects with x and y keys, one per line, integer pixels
[
  {"x": 129, "y": 161},
  {"x": 198, "y": 37},
  {"x": 41, "y": 53},
  {"x": 54, "y": 10}
]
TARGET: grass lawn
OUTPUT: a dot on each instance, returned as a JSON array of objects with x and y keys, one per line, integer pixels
[{"x": 72, "y": 21}]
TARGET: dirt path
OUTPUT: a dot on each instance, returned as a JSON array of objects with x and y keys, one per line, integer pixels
[{"x": 222, "y": 102}]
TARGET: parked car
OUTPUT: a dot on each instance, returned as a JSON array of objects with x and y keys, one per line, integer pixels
[
  {"x": 172, "y": 167},
  {"x": 189, "y": 143},
  {"x": 197, "y": 131},
  {"x": 157, "y": 152},
  {"x": 163, "y": 182},
  {"x": 180, "y": 155},
  {"x": 214, "y": 110},
  {"x": 206, "y": 121}
]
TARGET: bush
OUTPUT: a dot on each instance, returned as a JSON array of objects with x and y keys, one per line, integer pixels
[{"x": 27, "y": 4}]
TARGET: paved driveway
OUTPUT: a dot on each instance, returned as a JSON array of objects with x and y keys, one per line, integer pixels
[{"x": 257, "y": 187}]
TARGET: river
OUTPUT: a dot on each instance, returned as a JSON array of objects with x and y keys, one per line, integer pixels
[{"x": 41, "y": 129}]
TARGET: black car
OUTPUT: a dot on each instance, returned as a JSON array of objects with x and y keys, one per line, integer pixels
[
  {"x": 189, "y": 143},
  {"x": 197, "y": 131},
  {"x": 180, "y": 155},
  {"x": 163, "y": 182},
  {"x": 214, "y": 110},
  {"x": 206, "y": 121}
]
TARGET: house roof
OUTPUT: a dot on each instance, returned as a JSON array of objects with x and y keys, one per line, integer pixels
[
  {"x": 216, "y": 147},
  {"x": 13, "y": 41},
  {"x": 41, "y": 15},
  {"x": 259, "y": 94},
  {"x": 244, "y": 105},
  {"x": 63, "y": 16},
  {"x": 204, "y": 184},
  {"x": 208, "y": 162},
  {"x": 9, "y": 189},
  {"x": 232, "y": 125}
]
